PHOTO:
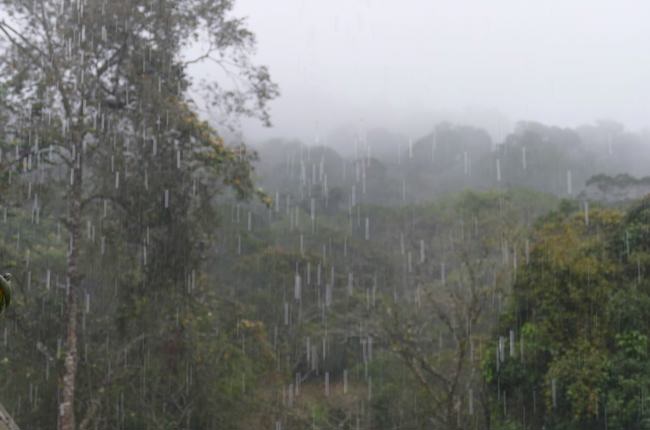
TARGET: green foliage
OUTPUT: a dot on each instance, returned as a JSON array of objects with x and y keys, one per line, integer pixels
[{"x": 580, "y": 313}]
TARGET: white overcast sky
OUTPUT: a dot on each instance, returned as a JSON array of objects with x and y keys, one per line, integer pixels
[{"x": 401, "y": 63}]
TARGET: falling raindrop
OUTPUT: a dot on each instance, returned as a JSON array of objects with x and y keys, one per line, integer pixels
[
  {"x": 327, "y": 383},
  {"x": 297, "y": 291}
]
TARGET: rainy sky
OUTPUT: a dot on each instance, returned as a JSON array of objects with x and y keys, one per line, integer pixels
[{"x": 407, "y": 64}]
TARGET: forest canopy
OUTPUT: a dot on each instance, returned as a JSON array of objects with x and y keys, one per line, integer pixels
[{"x": 160, "y": 271}]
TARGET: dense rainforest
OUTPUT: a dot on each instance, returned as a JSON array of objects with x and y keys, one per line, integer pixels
[{"x": 164, "y": 275}]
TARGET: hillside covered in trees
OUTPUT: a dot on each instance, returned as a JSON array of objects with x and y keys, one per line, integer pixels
[{"x": 165, "y": 275}]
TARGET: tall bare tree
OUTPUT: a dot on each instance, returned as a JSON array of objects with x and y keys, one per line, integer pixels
[{"x": 453, "y": 279}]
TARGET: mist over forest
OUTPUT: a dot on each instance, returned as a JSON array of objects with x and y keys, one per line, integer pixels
[{"x": 217, "y": 214}]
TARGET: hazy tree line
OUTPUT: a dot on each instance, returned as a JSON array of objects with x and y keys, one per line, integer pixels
[{"x": 400, "y": 170}]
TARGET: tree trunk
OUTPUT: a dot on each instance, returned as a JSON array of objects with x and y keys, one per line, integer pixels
[
  {"x": 6, "y": 422},
  {"x": 66, "y": 407}
]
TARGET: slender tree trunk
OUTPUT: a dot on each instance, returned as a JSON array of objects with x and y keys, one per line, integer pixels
[{"x": 66, "y": 407}]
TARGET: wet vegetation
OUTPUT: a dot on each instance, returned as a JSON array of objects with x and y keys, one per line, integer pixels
[{"x": 164, "y": 275}]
